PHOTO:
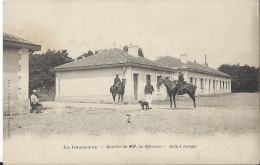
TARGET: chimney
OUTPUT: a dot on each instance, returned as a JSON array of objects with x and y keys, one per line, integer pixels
[
  {"x": 206, "y": 63},
  {"x": 134, "y": 51},
  {"x": 184, "y": 58}
]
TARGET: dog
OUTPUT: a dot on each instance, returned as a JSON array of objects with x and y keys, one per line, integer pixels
[
  {"x": 128, "y": 118},
  {"x": 144, "y": 103}
]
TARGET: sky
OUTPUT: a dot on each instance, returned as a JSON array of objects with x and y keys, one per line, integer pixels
[{"x": 227, "y": 31}]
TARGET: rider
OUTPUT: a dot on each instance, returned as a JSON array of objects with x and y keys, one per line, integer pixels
[
  {"x": 116, "y": 81},
  {"x": 181, "y": 78},
  {"x": 181, "y": 82}
]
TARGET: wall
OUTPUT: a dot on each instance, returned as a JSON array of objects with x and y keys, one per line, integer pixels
[
  {"x": 86, "y": 85},
  {"x": 208, "y": 89},
  {"x": 159, "y": 94},
  {"x": 23, "y": 77},
  {"x": 15, "y": 79},
  {"x": 94, "y": 85}
]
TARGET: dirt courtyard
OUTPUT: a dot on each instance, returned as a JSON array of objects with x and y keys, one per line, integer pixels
[{"x": 234, "y": 114}]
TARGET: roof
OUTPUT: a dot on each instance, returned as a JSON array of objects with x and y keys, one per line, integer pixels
[
  {"x": 11, "y": 40},
  {"x": 176, "y": 63},
  {"x": 111, "y": 58}
]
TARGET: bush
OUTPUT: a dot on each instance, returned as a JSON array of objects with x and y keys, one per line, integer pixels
[{"x": 40, "y": 76}]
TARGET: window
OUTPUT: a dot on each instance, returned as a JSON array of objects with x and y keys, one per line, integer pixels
[
  {"x": 201, "y": 84},
  {"x": 205, "y": 84},
  {"x": 223, "y": 85},
  {"x": 195, "y": 81},
  {"x": 191, "y": 80},
  {"x": 226, "y": 85},
  {"x": 214, "y": 84},
  {"x": 148, "y": 78},
  {"x": 209, "y": 83},
  {"x": 220, "y": 84}
]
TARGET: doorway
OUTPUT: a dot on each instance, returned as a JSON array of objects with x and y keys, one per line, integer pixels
[{"x": 148, "y": 78}]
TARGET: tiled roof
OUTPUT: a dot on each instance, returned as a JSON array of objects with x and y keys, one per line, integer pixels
[
  {"x": 111, "y": 58},
  {"x": 176, "y": 63},
  {"x": 11, "y": 39}
]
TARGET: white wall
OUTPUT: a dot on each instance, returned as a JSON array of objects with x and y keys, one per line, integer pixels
[
  {"x": 16, "y": 72},
  {"x": 86, "y": 85},
  {"x": 94, "y": 85},
  {"x": 10, "y": 76},
  {"x": 208, "y": 90},
  {"x": 23, "y": 74},
  {"x": 160, "y": 94}
]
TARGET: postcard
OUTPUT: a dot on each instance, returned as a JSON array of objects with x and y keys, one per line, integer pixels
[{"x": 131, "y": 82}]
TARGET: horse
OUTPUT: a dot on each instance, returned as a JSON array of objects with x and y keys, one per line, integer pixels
[
  {"x": 119, "y": 89},
  {"x": 172, "y": 90}
]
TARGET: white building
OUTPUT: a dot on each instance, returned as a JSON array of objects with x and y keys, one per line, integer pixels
[
  {"x": 208, "y": 80},
  {"x": 16, "y": 73},
  {"x": 90, "y": 79}
]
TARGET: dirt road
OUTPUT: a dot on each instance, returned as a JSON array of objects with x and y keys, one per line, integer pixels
[{"x": 233, "y": 114}]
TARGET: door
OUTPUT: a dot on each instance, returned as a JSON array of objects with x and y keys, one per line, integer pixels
[
  {"x": 136, "y": 86},
  {"x": 148, "y": 78}
]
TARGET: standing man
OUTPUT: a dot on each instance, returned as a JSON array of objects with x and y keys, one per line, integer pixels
[
  {"x": 35, "y": 102},
  {"x": 148, "y": 90}
]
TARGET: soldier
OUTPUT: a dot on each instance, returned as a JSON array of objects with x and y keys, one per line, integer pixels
[
  {"x": 148, "y": 90},
  {"x": 116, "y": 81},
  {"x": 181, "y": 79},
  {"x": 181, "y": 82},
  {"x": 35, "y": 102}
]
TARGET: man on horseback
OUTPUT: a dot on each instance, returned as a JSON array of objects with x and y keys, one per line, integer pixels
[
  {"x": 178, "y": 87},
  {"x": 118, "y": 89},
  {"x": 181, "y": 83},
  {"x": 117, "y": 81}
]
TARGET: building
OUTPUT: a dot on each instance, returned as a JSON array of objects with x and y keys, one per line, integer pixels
[
  {"x": 208, "y": 80},
  {"x": 16, "y": 73},
  {"x": 90, "y": 79}
]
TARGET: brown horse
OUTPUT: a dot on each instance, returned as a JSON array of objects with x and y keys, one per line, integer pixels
[
  {"x": 172, "y": 89},
  {"x": 119, "y": 89}
]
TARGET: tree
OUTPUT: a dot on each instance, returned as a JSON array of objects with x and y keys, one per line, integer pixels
[
  {"x": 85, "y": 55},
  {"x": 243, "y": 78},
  {"x": 40, "y": 65}
]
